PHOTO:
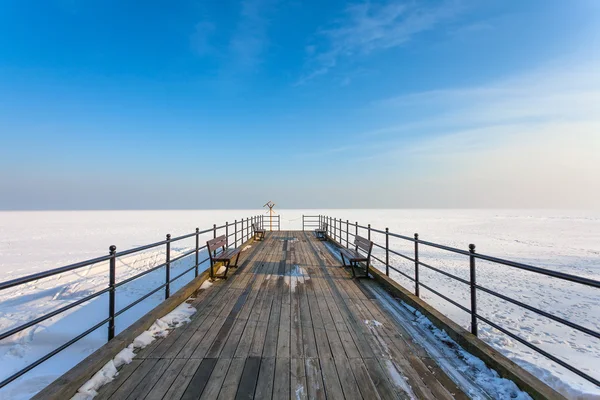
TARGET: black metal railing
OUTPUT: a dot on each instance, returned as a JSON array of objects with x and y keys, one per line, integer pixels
[
  {"x": 339, "y": 232},
  {"x": 240, "y": 230}
]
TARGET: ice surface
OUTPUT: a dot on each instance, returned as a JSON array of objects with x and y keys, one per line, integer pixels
[{"x": 567, "y": 241}]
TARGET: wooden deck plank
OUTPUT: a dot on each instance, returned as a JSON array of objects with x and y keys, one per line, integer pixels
[
  {"x": 166, "y": 380},
  {"x": 183, "y": 380},
  {"x": 232, "y": 379},
  {"x": 133, "y": 380},
  {"x": 213, "y": 387},
  {"x": 248, "y": 380},
  {"x": 289, "y": 322}
]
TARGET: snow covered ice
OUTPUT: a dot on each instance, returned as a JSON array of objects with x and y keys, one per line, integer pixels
[{"x": 567, "y": 241}]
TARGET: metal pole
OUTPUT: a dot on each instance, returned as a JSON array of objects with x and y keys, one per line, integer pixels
[
  {"x": 168, "y": 267},
  {"x": 369, "y": 230},
  {"x": 235, "y": 233},
  {"x": 197, "y": 250},
  {"x": 111, "y": 295},
  {"x": 347, "y": 233},
  {"x": 473, "y": 282},
  {"x": 214, "y": 237},
  {"x": 387, "y": 252},
  {"x": 335, "y": 229},
  {"x": 226, "y": 234},
  {"x": 355, "y": 229},
  {"x": 417, "y": 264},
  {"x": 302, "y": 222}
]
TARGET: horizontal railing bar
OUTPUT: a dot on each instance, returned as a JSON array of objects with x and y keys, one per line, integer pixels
[
  {"x": 118, "y": 284},
  {"x": 383, "y": 262},
  {"x": 541, "y": 312},
  {"x": 378, "y": 245},
  {"x": 186, "y": 271},
  {"x": 543, "y": 271},
  {"x": 36, "y": 321},
  {"x": 71, "y": 267},
  {"x": 189, "y": 235},
  {"x": 184, "y": 255},
  {"x": 402, "y": 255},
  {"x": 402, "y": 273},
  {"x": 144, "y": 297},
  {"x": 466, "y": 282},
  {"x": 531, "y": 268},
  {"x": 51, "y": 354},
  {"x": 141, "y": 248},
  {"x": 56, "y": 271},
  {"x": 541, "y": 351},
  {"x": 151, "y": 245},
  {"x": 465, "y": 309}
]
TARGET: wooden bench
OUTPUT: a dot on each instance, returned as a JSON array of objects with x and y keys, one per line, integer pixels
[
  {"x": 258, "y": 233},
  {"x": 321, "y": 233},
  {"x": 225, "y": 256},
  {"x": 354, "y": 257}
]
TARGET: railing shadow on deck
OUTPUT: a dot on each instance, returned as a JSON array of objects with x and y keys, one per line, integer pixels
[
  {"x": 339, "y": 231},
  {"x": 237, "y": 233}
]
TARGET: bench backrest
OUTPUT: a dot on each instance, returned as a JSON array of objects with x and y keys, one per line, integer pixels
[
  {"x": 325, "y": 226},
  {"x": 255, "y": 227},
  {"x": 363, "y": 244},
  {"x": 216, "y": 243}
]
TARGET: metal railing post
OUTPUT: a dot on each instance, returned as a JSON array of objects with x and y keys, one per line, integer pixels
[
  {"x": 235, "y": 233},
  {"x": 168, "y": 267},
  {"x": 335, "y": 230},
  {"x": 355, "y": 229},
  {"x": 302, "y": 222},
  {"x": 473, "y": 282},
  {"x": 226, "y": 234},
  {"x": 214, "y": 237},
  {"x": 111, "y": 295},
  {"x": 417, "y": 264},
  {"x": 197, "y": 250},
  {"x": 387, "y": 251},
  {"x": 369, "y": 230},
  {"x": 347, "y": 233}
]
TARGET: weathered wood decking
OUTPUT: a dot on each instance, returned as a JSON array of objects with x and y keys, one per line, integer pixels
[{"x": 289, "y": 323}]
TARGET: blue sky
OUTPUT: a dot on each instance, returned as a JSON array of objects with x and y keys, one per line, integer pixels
[{"x": 190, "y": 104}]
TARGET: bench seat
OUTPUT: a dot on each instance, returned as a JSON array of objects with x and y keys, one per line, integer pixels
[
  {"x": 227, "y": 255},
  {"x": 354, "y": 256},
  {"x": 321, "y": 233},
  {"x": 258, "y": 233}
]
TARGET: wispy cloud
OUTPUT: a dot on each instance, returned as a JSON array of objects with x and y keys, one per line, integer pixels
[
  {"x": 531, "y": 140},
  {"x": 370, "y": 27},
  {"x": 250, "y": 39},
  {"x": 241, "y": 46},
  {"x": 561, "y": 93}
]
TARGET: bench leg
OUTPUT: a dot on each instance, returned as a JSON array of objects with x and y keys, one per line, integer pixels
[
  {"x": 226, "y": 269},
  {"x": 343, "y": 260},
  {"x": 352, "y": 267}
]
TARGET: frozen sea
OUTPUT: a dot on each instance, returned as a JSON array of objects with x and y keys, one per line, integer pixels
[{"x": 567, "y": 241}]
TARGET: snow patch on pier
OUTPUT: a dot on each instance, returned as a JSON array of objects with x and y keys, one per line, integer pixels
[
  {"x": 160, "y": 329},
  {"x": 296, "y": 275}
]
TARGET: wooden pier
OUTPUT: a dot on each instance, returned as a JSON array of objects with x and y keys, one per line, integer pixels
[{"x": 289, "y": 323}]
